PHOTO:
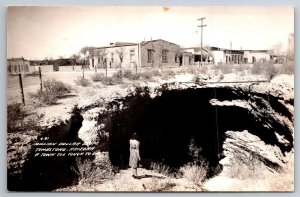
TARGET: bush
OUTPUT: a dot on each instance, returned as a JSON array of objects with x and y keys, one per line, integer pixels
[
  {"x": 98, "y": 77},
  {"x": 195, "y": 173},
  {"x": 161, "y": 168},
  {"x": 167, "y": 73},
  {"x": 118, "y": 74},
  {"x": 53, "y": 90},
  {"x": 287, "y": 68},
  {"x": 82, "y": 82},
  {"x": 226, "y": 68},
  {"x": 19, "y": 120},
  {"x": 90, "y": 173},
  {"x": 128, "y": 74}
]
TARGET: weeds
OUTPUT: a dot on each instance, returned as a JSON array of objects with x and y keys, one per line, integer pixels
[
  {"x": 53, "y": 90},
  {"x": 82, "y": 82},
  {"x": 19, "y": 120},
  {"x": 98, "y": 77},
  {"x": 156, "y": 185},
  {"x": 195, "y": 173},
  {"x": 161, "y": 168},
  {"x": 287, "y": 68},
  {"x": 89, "y": 173}
]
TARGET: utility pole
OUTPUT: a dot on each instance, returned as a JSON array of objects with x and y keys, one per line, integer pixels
[
  {"x": 201, "y": 19},
  {"x": 230, "y": 56}
]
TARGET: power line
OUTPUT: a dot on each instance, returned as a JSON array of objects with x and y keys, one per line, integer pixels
[{"x": 201, "y": 34}]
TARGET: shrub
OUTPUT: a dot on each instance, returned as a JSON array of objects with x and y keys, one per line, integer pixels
[
  {"x": 118, "y": 74},
  {"x": 19, "y": 120},
  {"x": 157, "y": 185},
  {"x": 112, "y": 81},
  {"x": 98, "y": 77},
  {"x": 82, "y": 82},
  {"x": 195, "y": 173},
  {"x": 53, "y": 90},
  {"x": 266, "y": 68},
  {"x": 190, "y": 70},
  {"x": 287, "y": 68},
  {"x": 128, "y": 74},
  {"x": 90, "y": 173},
  {"x": 226, "y": 68},
  {"x": 167, "y": 73},
  {"x": 160, "y": 168}
]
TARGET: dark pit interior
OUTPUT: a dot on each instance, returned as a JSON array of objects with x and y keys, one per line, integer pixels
[
  {"x": 167, "y": 124},
  {"x": 49, "y": 173}
]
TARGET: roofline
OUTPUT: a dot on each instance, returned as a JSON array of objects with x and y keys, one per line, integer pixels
[
  {"x": 125, "y": 45},
  {"x": 145, "y": 42}
]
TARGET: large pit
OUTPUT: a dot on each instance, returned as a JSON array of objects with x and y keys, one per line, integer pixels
[{"x": 166, "y": 124}]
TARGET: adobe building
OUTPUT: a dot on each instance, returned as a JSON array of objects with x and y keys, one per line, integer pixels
[
  {"x": 155, "y": 53},
  {"x": 18, "y": 65}
]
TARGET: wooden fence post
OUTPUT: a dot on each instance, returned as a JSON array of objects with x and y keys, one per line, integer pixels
[
  {"x": 21, "y": 86},
  {"x": 83, "y": 71},
  {"x": 40, "y": 75},
  {"x": 105, "y": 70}
]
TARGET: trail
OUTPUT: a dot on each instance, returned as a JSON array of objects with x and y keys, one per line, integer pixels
[{"x": 149, "y": 181}]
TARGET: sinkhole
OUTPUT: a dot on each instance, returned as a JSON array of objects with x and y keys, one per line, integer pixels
[
  {"x": 168, "y": 123},
  {"x": 49, "y": 173}
]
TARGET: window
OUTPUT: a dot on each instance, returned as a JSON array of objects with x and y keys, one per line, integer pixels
[
  {"x": 98, "y": 60},
  {"x": 132, "y": 52},
  {"x": 164, "y": 56},
  {"x": 176, "y": 59},
  {"x": 131, "y": 55},
  {"x": 112, "y": 57},
  {"x": 149, "y": 55}
]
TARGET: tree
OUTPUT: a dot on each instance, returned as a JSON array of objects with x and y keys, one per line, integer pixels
[
  {"x": 101, "y": 55},
  {"x": 277, "y": 49},
  {"x": 121, "y": 54},
  {"x": 75, "y": 59},
  {"x": 85, "y": 52}
]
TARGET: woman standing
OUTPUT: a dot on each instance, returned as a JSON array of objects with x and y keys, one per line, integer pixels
[{"x": 134, "y": 158}]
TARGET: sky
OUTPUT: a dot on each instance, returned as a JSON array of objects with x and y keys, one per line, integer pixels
[{"x": 49, "y": 32}]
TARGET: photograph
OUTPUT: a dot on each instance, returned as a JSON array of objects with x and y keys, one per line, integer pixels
[{"x": 150, "y": 99}]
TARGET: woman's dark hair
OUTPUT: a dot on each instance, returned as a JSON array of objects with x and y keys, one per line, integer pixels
[{"x": 134, "y": 136}]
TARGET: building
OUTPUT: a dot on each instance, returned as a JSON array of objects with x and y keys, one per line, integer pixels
[
  {"x": 18, "y": 65},
  {"x": 159, "y": 53},
  {"x": 155, "y": 53},
  {"x": 252, "y": 56},
  {"x": 116, "y": 55},
  {"x": 291, "y": 47}
]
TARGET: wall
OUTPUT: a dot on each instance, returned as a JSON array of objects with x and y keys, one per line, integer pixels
[
  {"x": 158, "y": 46},
  {"x": 18, "y": 66},
  {"x": 259, "y": 56},
  {"x": 218, "y": 57},
  {"x": 113, "y": 60}
]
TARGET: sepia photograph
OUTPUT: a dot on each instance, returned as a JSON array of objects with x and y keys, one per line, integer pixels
[{"x": 150, "y": 99}]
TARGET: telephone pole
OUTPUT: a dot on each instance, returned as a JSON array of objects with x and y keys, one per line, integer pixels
[{"x": 201, "y": 19}]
